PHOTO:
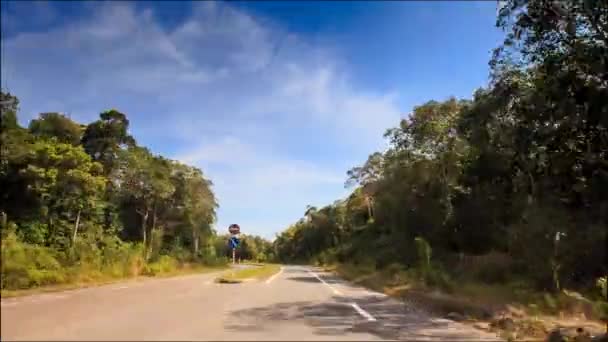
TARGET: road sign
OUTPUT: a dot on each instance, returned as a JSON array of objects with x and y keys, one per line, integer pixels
[
  {"x": 234, "y": 242},
  {"x": 234, "y": 229}
]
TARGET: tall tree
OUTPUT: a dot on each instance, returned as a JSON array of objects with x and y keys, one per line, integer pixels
[
  {"x": 103, "y": 138},
  {"x": 57, "y": 125},
  {"x": 67, "y": 184}
]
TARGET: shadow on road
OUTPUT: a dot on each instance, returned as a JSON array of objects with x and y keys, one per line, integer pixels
[
  {"x": 304, "y": 279},
  {"x": 394, "y": 320}
]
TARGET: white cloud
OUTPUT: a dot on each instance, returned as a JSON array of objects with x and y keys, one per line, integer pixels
[{"x": 235, "y": 97}]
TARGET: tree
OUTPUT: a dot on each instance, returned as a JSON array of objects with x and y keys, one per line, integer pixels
[
  {"x": 66, "y": 182},
  {"x": 9, "y": 105},
  {"x": 520, "y": 164},
  {"x": 82, "y": 197},
  {"x": 57, "y": 125},
  {"x": 196, "y": 201},
  {"x": 367, "y": 177},
  {"x": 103, "y": 138}
]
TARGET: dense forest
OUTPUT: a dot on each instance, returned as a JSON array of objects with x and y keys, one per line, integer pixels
[
  {"x": 509, "y": 185},
  {"x": 82, "y": 202}
]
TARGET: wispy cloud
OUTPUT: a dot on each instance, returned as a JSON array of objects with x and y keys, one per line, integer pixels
[{"x": 230, "y": 94}]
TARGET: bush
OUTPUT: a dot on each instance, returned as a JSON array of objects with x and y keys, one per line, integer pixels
[
  {"x": 121, "y": 259},
  {"x": 90, "y": 259},
  {"x": 600, "y": 309},
  {"x": 156, "y": 242},
  {"x": 181, "y": 254},
  {"x": 85, "y": 254},
  {"x": 165, "y": 264},
  {"x": 491, "y": 268},
  {"x": 435, "y": 277},
  {"x": 38, "y": 277},
  {"x": 28, "y": 265},
  {"x": 33, "y": 232},
  {"x": 423, "y": 250}
]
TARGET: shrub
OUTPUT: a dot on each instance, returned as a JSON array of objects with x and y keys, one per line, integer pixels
[
  {"x": 164, "y": 264},
  {"x": 435, "y": 277},
  {"x": 45, "y": 277},
  {"x": 602, "y": 284},
  {"x": 600, "y": 309},
  {"x": 28, "y": 265},
  {"x": 33, "y": 232},
  {"x": 85, "y": 255},
  {"x": 423, "y": 250},
  {"x": 121, "y": 259},
  {"x": 491, "y": 268}
]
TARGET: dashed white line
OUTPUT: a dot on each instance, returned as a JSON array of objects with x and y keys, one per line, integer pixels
[
  {"x": 274, "y": 276},
  {"x": 362, "y": 312},
  {"x": 120, "y": 288},
  {"x": 336, "y": 292}
]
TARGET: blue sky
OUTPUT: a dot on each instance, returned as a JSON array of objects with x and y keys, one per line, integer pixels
[{"x": 273, "y": 100}]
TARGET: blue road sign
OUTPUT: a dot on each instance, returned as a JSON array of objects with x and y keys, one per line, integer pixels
[{"x": 234, "y": 242}]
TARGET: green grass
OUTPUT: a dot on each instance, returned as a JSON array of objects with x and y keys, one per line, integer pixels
[
  {"x": 185, "y": 269},
  {"x": 260, "y": 272}
]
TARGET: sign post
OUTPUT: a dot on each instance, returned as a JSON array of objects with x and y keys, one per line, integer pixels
[{"x": 234, "y": 229}]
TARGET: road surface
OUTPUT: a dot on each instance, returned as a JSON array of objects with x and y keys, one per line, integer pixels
[{"x": 299, "y": 303}]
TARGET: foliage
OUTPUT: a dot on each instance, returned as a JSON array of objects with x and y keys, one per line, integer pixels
[
  {"x": 58, "y": 126},
  {"x": 509, "y": 184},
  {"x": 85, "y": 202},
  {"x": 424, "y": 254},
  {"x": 602, "y": 284}
]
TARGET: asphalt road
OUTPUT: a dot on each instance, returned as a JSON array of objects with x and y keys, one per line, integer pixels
[{"x": 299, "y": 303}]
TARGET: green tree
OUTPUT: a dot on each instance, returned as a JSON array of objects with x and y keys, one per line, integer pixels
[
  {"x": 67, "y": 184},
  {"x": 196, "y": 202},
  {"x": 57, "y": 125},
  {"x": 104, "y": 138}
]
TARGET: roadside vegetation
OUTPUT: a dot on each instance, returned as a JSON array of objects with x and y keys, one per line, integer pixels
[
  {"x": 254, "y": 272},
  {"x": 495, "y": 201},
  {"x": 85, "y": 204}
]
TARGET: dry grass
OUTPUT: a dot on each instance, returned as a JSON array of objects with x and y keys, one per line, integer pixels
[{"x": 533, "y": 314}]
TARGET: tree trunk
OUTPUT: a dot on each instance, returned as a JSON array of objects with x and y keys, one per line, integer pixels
[
  {"x": 532, "y": 193},
  {"x": 555, "y": 265},
  {"x": 51, "y": 228},
  {"x": 76, "y": 226},
  {"x": 144, "y": 220},
  {"x": 195, "y": 242},
  {"x": 154, "y": 217},
  {"x": 151, "y": 244}
]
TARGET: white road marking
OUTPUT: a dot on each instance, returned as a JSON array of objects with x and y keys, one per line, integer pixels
[
  {"x": 8, "y": 303},
  {"x": 363, "y": 312},
  {"x": 274, "y": 276},
  {"x": 336, "y": 292},
  {"x": 208, "y": 282},
  {"x": 120, "y": 288}
]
